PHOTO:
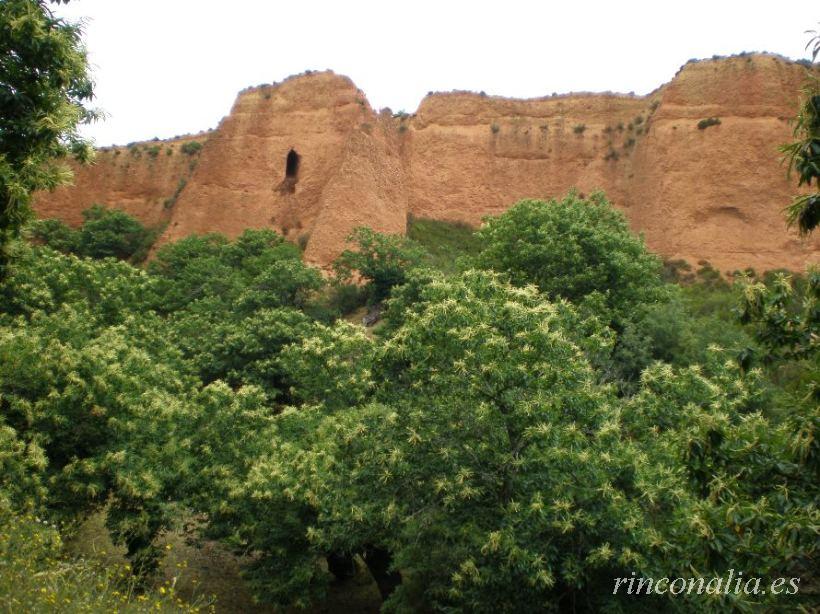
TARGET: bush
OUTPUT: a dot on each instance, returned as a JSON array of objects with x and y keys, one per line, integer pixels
[
  {"x": 110, "y": 233},
  {"x": 212, "y": 278},
  {"x": 346, "y": 298},
  {"x": 572, "y": 249},
  {"x": 37, "y": 577},
  {"x": 55, "y": 234},
  {"x": 705, "y": 123},
  {"x": 579, "y": 128},
  {"x": 191, "y": 148},
  {"x": 105, "y": 233},
  {"x": 381, "y": 260}
]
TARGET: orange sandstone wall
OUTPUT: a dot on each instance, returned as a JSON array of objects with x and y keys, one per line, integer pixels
[
  {"x": 715, "y": 194},
  {"x": 718, "y": 194},
  {"x": 129, "y": 178},
  {"x": 349, "y": 170}
]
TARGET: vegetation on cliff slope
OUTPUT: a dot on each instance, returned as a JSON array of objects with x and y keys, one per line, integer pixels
[{"x": 521, "y": 430}]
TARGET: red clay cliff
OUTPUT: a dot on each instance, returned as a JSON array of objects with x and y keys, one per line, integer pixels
[{"x": 310, "y": 158}]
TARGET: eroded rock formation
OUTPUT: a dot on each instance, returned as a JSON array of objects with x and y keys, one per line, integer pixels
[{"x": 310, "y": 158}]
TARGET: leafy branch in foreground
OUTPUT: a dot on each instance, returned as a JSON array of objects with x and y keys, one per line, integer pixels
[
  {"x": 803, "y": 155},
  {"x": 44, "y": 84}
]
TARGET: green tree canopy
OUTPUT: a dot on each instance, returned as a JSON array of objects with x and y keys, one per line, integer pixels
[
  {"x": 381, "y": 260},
  {"x": 575, "y": 248},
  {"x": 105, "y": 233}
]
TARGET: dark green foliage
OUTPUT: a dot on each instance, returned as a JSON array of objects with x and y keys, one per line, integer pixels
[
  {"x": 345, "y": 298},
  {"x": 710, "y": 121},
  {"x": 235, "y": 305},
  {"x": 381, "y": 260},
  {"x": 170, "y": 202},
  {"x": 110, "y": 233},
  {"x": 583, "y": 251},
  {"x": 574, "y": 249},
  {"x": 105, "y": 233},
  {"x": 511, "y": 437},
  {"x": 579, "y": 128},
  {"x": 211, "y": 267},
  {"x": 191, "y": 148},
  {"x": 246, "y": 351},
  {"x": 56, "y": 234}
]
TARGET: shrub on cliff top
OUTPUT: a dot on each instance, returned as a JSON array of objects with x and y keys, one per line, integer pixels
[{"x": 191, "y": 148}]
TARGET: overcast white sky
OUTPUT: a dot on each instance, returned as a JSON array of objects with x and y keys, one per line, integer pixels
[{"x": 167, "y": 67}]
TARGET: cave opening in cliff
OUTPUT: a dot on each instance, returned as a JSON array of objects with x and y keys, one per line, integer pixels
[{"x": 292, "y": 165}]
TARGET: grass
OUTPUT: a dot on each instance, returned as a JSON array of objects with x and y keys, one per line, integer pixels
[
  {"x": 207, "y": 572},
  {"x": 446, "y": 242},
  {"x": 37, "y": 574}
]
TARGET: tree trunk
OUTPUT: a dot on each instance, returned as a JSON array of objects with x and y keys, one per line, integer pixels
[
  {"x": 341, "y": 565},
  {"x": 378, "y": 561}
]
